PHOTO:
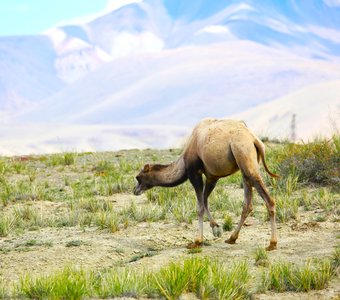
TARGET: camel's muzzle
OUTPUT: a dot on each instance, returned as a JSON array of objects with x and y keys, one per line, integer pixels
[{"x": 137, "y": 190}]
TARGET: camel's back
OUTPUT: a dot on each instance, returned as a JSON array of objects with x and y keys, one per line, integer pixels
[
  {"x": 218, "y": 132},
  {"x": 211, "y": 142}
]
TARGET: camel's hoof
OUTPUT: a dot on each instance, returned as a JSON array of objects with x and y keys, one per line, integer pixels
[
  {"x": 194, "y": 245},
  {"x": 230, "y": 241},
  {"x": 217, "y": 232},
  {"x": 272, "y": 246}
]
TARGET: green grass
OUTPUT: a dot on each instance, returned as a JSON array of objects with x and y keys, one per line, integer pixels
[
  {"x": 20, "y": 190},
  {"x": 261, "y": 256},
  {"x": 286, "y": 208},
  {"x": 90, "y": 179},
  {"x": 178, "y": 203},
  {"x": 63, "y": 159},
  {"x": 324, "y": 199},
  {"x": 315, "y": 162},
  {"x": 207, "y": 278},
  {"x": 286, "y": 185},
  {"x": 107, "y": 220},
  {"x": 79, "y": 191},
  {"x": 149, "y": 213},
  {"x": 39, "y": 288},
  {"x": 336, "y": 260},
  {"x": 120, "y": 283},
  {"x": 171, "y": 281},
  {"x": 285, "y": 276},
  {"x": 66, "y": 284},
  {"x": 3, "y": 289},
  {"x": 227, "y": 223},
  {"x": 6, "y": 224}
]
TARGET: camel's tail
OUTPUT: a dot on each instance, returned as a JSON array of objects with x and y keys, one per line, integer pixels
[{"x": 260, "y": 149}]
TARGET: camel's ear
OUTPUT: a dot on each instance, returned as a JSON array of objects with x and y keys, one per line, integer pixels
[{"x": 147, "y": 168}]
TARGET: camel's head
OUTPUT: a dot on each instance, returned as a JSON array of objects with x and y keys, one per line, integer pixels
[{"x": 144, "y": 179}]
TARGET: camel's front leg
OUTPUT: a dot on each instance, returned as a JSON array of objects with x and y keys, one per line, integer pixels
[
  {"x": 197, "y": 182},
  {"x": 208, "y": 188},
  {"x": 248, "y": 192}
]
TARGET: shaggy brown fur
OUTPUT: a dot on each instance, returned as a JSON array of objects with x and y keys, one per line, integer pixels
[{"x": 216, "y": 148}]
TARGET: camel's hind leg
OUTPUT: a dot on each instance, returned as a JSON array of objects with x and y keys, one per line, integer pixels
[
  {"x": 270, "y": 203},
  {"x": 247, "y": 208},
  {"x": 208, "y": 188},
  {"x": 246, "y": 158}
]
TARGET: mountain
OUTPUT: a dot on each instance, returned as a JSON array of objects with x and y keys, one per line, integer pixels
[
  {"x": 316, "y": 111},
  {"x": 158, "y": 64},
  {"x": 173, "y": 88},
  {"x": 27, "y": 72}
]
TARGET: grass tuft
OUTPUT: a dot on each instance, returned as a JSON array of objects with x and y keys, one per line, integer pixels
[
  {"x": 261, "y": 257},
  {"x": 227, "y": 223},
  {"x": 6, "y": 224},
  {"x": 171, "y": 281},
  {"x": 285, "y": 276}
]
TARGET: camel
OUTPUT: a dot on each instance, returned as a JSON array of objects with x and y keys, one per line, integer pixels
[{"x": 216, "y": 148}]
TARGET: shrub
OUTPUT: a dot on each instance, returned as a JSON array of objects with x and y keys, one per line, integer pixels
[{"x": 316, "y": 162}]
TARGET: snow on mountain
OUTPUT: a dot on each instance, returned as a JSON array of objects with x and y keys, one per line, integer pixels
[{"x": 316, "y": 109}]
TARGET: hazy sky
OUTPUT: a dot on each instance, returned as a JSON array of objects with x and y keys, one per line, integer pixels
[{"x": 19, "y": 17}]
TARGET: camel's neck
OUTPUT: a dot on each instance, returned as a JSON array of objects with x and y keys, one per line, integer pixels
[{"x": 171, "y": 175}]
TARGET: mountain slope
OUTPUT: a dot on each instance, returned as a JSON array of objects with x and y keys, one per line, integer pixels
[
  {"x": 181, "y": 86},
  {"x": 27, "y": 72},
  {"x": 316, "y": 107}
]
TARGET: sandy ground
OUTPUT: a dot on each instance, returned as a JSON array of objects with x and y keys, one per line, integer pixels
[{"x": 166, "y": 241}]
